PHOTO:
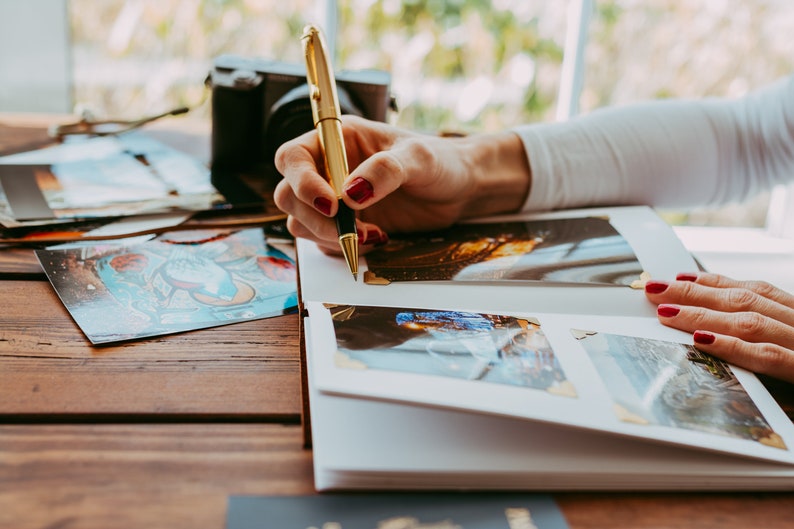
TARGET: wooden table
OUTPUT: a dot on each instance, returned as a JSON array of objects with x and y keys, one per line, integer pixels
[{"x": 159, "y": 433}]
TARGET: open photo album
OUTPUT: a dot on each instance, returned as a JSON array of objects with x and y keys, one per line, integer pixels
[{"x": 522, "y": 353}]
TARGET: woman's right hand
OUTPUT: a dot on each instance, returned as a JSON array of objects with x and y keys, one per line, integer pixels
[{"x": 399, "y": 181}]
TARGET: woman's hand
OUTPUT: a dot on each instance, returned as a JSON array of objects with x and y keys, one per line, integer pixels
[
  {"x": 399, "y": 181},
  {"x": 747, "y": 323}
]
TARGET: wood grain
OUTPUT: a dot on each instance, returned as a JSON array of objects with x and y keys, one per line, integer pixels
[
  {"x": 180, "y": 476},
  {"x": 678, "y": 511},
  {"x": 136, "y": 476},
  {"x": 48, "y": 367},
  {"x": 19, "y": 263}
]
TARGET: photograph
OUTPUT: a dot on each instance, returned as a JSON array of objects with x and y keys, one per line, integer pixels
[
  {"x": 99, "y": 177},
  {"x": 572, "y": 250},
  {"x": 673, "y": 384},
  {"x": 465, "y": 345},
  {"x": 179, "y": 282}
]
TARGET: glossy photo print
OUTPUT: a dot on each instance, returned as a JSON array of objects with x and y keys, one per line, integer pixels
[
  {"x": 179, "y": 282},
  {"x": 465, "y": 345},
  {"x": 673, "y": 384},
  {"x": 397, "y": 510},
  {"x": 102, "y": 177},
  {"x": 574, "y": 250}
]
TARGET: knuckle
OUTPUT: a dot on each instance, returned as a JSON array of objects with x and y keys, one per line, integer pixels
[
  {"x": 687, "y": 290},
  {"x": 416, "y": 153},
  {"x": 284, "y": 157},
  {"x": 296, "y": 228},
  {"x": 420, "y": 151},
  {"x": 750, "y": 324},
  {"x": 282, "y": 195},
  {"x": 281, "y": 158},
  {"x": 698, "y": 318},
  {"x": 741, "y": 298},
  {"x": 717, "y": 280},
  {"x": 771, "y": 358},
  {"x": 387, "y": 164},
  {"x": 762, "y": 288}
]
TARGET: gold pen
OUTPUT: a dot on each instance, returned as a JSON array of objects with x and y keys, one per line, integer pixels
[{"x": 326, "y": 113}]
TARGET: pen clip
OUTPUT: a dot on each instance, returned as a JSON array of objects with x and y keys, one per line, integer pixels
[{"x": 320, "y": 76}]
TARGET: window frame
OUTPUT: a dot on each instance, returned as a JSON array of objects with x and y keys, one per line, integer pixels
[{"x": 780, "y": 212}]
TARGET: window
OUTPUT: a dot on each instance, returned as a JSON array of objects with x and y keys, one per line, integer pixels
[
  {"x": 34, "y": 57},
  {"x": 462, "y": 65},
  {"x": 674, "y": 48}
]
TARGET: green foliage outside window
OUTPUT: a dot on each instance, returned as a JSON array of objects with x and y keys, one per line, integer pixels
[{"x": 457, "y": 65}]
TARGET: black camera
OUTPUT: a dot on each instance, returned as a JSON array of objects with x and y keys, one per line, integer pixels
[{"x": 258, "y": 104}]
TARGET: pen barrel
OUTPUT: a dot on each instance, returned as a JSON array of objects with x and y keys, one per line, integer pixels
[
  {"x": 345, "y": 220},
  {"x": 334, "y": 150}
]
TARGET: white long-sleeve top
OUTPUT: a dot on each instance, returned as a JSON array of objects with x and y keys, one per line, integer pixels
[{"x": 668, "y": 153}]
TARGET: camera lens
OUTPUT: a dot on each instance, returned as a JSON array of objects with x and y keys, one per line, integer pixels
[{"x": 291, "y": 116}]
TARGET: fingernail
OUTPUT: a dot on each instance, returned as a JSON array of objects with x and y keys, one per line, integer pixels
[
  {"x": 668, "y": 311},
  {"x": 686, "y": 276},
  {"x": 703, "y": 337},
  {"x": 359, "y": 190},
  {"x": 656, "y": 287},
  {"x": 383, "y": 238},
  {"x": 323, "y": 205},
  {"x": 375, "y": 237}
]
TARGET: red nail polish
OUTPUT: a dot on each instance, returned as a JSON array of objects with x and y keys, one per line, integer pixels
[
  {"x": 686, "y": 276},
  {"x": 656, "y": 287},
  {"x": 323, "y": 205},
  {"x": 703, "y": 337},
  {"x": 359, "y": 190},
  {"x": 668, "y": 311}
]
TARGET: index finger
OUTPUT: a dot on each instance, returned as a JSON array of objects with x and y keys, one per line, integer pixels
[
  {"x": 300, "y": 162},
  {"x": 724, "y": 299},
  {"x": 762, "y": 288}
]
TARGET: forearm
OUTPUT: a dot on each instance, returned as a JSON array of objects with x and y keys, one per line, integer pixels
[{"x": 664, "y": 153}]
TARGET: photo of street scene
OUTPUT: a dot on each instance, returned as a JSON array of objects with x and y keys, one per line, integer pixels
[
  {"x": 673, "y": 384},
  {"x": 472, "y": 346}
]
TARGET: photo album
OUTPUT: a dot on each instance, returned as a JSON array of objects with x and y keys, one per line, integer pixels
[{"x": 521, "y": 353}]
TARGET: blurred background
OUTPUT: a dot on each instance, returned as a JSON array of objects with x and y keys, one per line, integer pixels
[{"x": 457, "y": 65}]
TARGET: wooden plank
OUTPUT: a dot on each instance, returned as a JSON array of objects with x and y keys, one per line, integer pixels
[
  {"x": 20, "y": 262},
  {"x": 180, "y": 476},
  {"x": 47, "y": 366},
  {"x": 132, "y": 476},
  {"x": 680, "y": 511}
]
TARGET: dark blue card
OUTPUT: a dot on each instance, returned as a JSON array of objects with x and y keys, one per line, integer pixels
[{"x": 396, "y": 511}]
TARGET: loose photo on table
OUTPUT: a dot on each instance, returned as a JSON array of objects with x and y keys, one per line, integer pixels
[{"x": 180, "y": 282}]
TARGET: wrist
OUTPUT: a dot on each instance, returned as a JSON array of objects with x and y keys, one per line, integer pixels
[{"x": 501, "y": 173}]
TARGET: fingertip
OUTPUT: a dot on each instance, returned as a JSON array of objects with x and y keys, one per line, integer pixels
[
  {"x": 703, "y": 337},
  {"x": 323, "y": 205},
  {"x": 372, "y": 236},
  {"x": 359, "y": 190},
  {"x": 654, "y": 286},
  {"x": 668, "y": 311}
]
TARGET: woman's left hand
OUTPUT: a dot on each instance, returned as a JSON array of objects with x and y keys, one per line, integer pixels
[{"x": 746, "y": 323}]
